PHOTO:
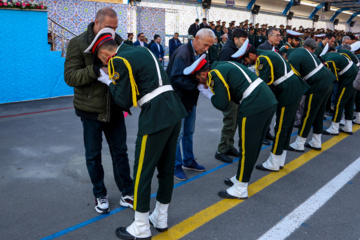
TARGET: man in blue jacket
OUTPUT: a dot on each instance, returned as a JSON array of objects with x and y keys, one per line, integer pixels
[
  {"x": 174, "y": 43},
  {"x": 185, "y": 87},
  {"x": 157, "y": 48},
  {"x": 141, "y": 40}
]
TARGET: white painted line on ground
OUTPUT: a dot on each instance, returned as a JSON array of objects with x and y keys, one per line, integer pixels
[{"x": 293, "y": 220}]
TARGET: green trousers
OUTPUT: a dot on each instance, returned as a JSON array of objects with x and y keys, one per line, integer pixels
[
  {"x": 252, "y": 130},
  {"x": 229, "y": 128},
  {"x": 315, "y": 104},
  {"x": 152, "y": 151},
  {"x": 285, "y": 117},
  {"x": 345, "y": 99}
]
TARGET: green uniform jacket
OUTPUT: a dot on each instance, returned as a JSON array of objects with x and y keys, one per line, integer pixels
[
  {"x": 252, "y": 39},
  {"x": 285, "y": 48},
  {"x": 319, "y": 49},
  {"x": 270, "y": 67},
  {"x": 350, "y": 55},
  {"x": 135, "y": 72},
  {"x": 302, "y": 61},
  {"x": 336, "y": 62},
  {"x": 228, "y": 83},
  {"x": 90, "y": 95}
]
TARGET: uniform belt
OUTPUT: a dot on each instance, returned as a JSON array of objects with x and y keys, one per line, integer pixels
[
  {"x": 154, "y": 93},
  {"x": 312, "y": 73},
  {"x": 283, "y": 78},
  {"x": 345, "y": 69},
  {"x": 251, "y": 88}
]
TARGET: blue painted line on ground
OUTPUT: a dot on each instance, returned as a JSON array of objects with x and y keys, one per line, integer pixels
[{"x": 95, "y": 219}]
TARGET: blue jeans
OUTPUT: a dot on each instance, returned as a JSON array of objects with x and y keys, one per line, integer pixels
[
  {"x": 115, "y": 134},
  {"x": 186, "y": 140}
]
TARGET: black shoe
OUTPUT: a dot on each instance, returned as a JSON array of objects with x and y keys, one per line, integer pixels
[
  {"x": 261, "y": 168},
  {"x": 223, "y": 157},
  {"x": 159, "y": 229},
  {"x": 233, "y": 152},
  {"x": 309, "y": 146},
  {"x": 266, "y": 142},
  {"x": 330, "y": 112},
  {"x": 327, "y": 133},
  {"x": 123, "y": 234},
  {"x": 268, "y": 136},
  {"x": 228, "y": 182},
  {"x": 224, "y": 194},
  {"x": 350, "y": 133},
  {"x": 294, "y": 150}
]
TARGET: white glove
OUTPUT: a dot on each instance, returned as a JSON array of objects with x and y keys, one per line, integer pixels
[
  {"x": 206, "y": 92},
  {"x": 104, "y": 78}
]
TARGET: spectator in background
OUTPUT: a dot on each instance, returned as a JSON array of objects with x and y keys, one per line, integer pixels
[
  {"x": 223, "y": 41},
  {"x": 204, "y": 24},
  {"x": 129, "y": 40},
  {"x": 214, "y": 51},
  {"x": 174, "y": 43},
  {"x": 141, "y": 40},
  {"x": 194, "y": 28},
  {"x": 157, "y": 48},
  {"x": 345, "y": 40}
]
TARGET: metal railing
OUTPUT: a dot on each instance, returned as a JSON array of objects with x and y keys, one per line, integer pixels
[{"x": 55, "y": 33}]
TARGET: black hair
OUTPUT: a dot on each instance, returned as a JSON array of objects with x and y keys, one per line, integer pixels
[
  {"x": 204, "y": 68},
  {"x": 156, "y": 36},
  {"x": 329, "y": 35},
  {"x": 139, "y": 34},
  {"x": 108, "y": 45},
  {"x": 250, "y": 49},
  {"x": 238, "y": 33}
]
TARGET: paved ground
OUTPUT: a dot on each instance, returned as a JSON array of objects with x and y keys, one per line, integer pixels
[{"x": 46, "y": 191}]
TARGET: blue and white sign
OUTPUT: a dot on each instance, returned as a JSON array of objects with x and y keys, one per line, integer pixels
[{"x": 230, "y": 3}]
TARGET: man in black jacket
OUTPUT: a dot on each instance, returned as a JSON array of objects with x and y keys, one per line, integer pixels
[
  {"x": 194, "y": 28},
  {"x": 273, "y": 40},
  {"x": 185, "y": 87},
  {"x": 226, "y": 144},
  {"x": 204, "y": 24}
]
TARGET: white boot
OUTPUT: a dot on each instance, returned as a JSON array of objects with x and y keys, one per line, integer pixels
[
  {"x": 282, "y": 159},
  {"x": 332, "y": 130},
  {"x": 315, "y": 142},
  {"x": 348, "y": 127},
  {"x": 238, "y": 190},
  {"x": 357, "y": 119},
  {"x": 140, "y": 228},
  {"x": 342, "y": 121},
  {"x": 160, "y": 216},
  {"x": 272, "y": 163},
  {"x": 298, "y": 145}
]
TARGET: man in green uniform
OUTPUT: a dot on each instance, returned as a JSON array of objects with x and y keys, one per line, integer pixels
[
  {"x": 345, "y": 71},
  {"x": 231, "y": 81},
  {"x": 288, "y": 89},
  {"x": 136, "y": 78},
  {"x": 129, "y": 40},
  {"x": 214, "y": 51},
  {"x": 355, "y": 48},
  {"x": 320, "y": 79},
  {"x": 252, "y": 37},
  {"x": 293, "y": 39}
]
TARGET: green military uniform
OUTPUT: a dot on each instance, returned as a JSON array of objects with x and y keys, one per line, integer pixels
[
  {"x": 252, "y": 39},
  {"x": 228, "y": 81},
  {"x": 319, "y": 49},
  {"x": 129, "y": 42},
  {"x": 214, "y": 52},
  {"x": 288, "y": 88},
  {"x": 136, "y": 73},
  {"x": 320, "y": 80},
  {"x": 345, "y": 71},
  {"x": 284, "y": 48},
  {"x": 259, "y": 39}
]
